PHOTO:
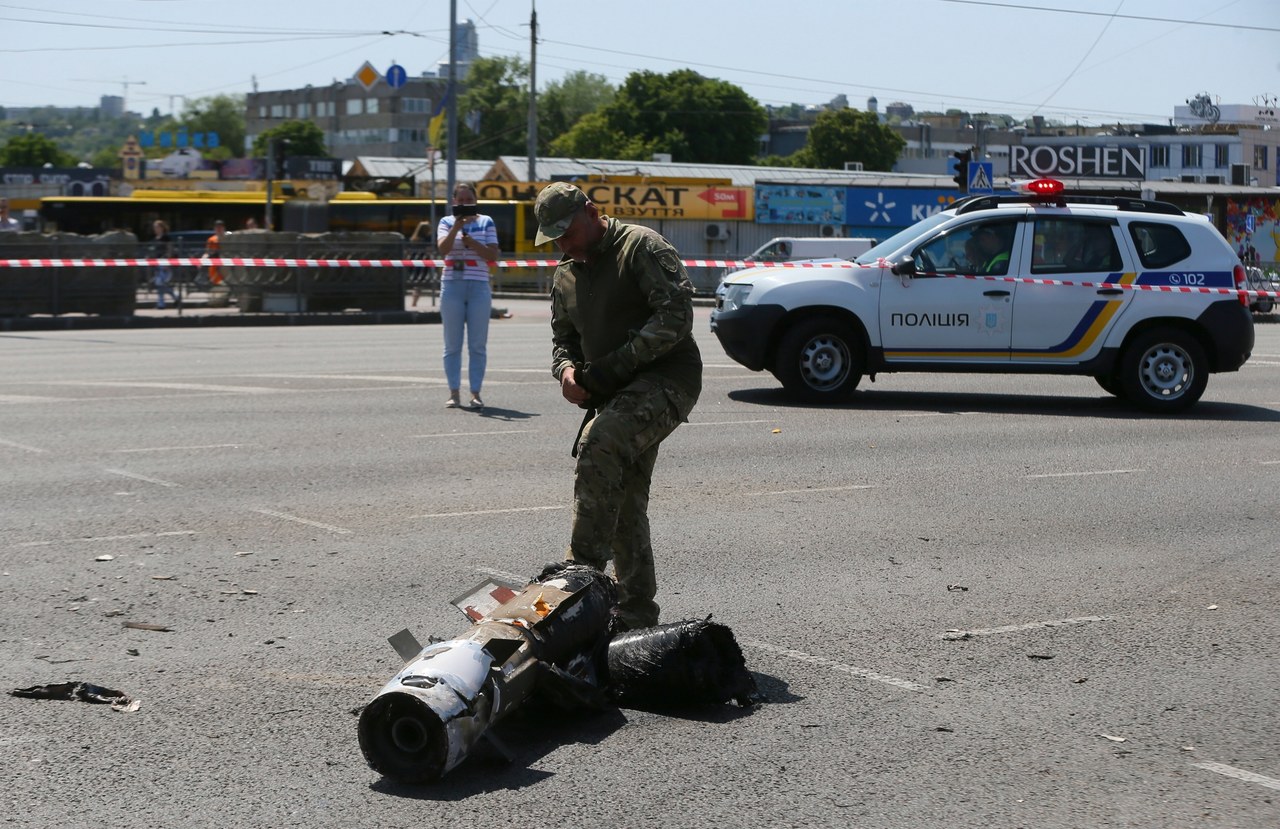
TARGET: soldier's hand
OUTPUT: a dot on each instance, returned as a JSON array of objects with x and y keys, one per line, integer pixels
[{"x": 569, "y": 387}]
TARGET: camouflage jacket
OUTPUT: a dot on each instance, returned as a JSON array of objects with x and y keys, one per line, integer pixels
[{"x": 631, "y": 305}]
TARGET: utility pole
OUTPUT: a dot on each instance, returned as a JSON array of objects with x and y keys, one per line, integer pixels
[
  {"x": 271, "y": 175},
  {"x": 452, "y": 108},
  {"x": 533, "y": 93}
]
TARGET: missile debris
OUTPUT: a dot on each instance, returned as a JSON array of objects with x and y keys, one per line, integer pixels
[
  {"x": 696, "y": 662},
  {"x": 431, "y": 714},
  {"x": 553, "y": 638}
]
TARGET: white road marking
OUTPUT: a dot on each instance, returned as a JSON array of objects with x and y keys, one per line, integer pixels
[
  {"x": 106, "y": 538},
  {"x": 1087, "y": 474},
  {"x": 26, "y": 398},
  {"x": 287, "y": 517},
  {"x": 1239, "y": 774},
  {"x": 487, "y": 512},
  {"x": 21, "y": 446},
  {"x": 861, "y": 673},
  {"x": 382, "y": 378},
  {"x": 1268, "y": 463},
  {"x": 1081, "y": 620},
  {"x": 814, "y": 489},
  {"x": 118, "y": 384},
  {"x": 138, "y": 477},
  {"x": 474, "y": 434},
  {"x": 730, "y": 422},
  {"x": 184, "y": 448}
]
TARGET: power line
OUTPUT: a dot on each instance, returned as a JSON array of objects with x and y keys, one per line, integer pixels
[
  {"x": 180, "y": 45},
  {"x": 1121, "y": 16}
]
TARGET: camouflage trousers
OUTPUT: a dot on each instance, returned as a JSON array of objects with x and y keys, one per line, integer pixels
[{"x": 616, "y": 454}]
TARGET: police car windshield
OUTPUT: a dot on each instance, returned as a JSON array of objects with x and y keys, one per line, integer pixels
[{"x": 902, "y": 238}]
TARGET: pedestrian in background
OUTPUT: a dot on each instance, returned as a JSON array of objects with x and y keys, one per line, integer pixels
[
  {"x": 418, "y": 249},
  {"x": 162, "y": 276},
  {"x": 7, "y": 222},
  {"x": 623, "y": 349},
  {"x": 213, "y": 249},
  {"x": 468, "y": 240}
]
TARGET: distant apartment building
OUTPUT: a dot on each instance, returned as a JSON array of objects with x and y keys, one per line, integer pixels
[
  {"x": 365, "y": 119},
  {"x": 379, "y": 121}
]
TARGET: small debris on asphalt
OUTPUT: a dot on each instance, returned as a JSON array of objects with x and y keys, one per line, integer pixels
[
  {"x": 80, "y": 691},
  {"x": 148, "y": 626}
]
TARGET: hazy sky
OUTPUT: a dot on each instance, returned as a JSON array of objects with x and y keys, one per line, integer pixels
[{"x": 1092, "y": 61}]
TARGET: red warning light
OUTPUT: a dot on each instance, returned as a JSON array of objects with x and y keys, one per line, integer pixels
[{"x": 1039, "y": 187}]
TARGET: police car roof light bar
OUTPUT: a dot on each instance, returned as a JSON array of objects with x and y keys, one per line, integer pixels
[{"x": 1038, "y": 187}]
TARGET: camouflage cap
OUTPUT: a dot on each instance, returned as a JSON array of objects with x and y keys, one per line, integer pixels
[{"x": 555, "y": 208}]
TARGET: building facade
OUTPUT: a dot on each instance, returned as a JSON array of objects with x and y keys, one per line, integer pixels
[
  {"x": 364, "y": 115},
  {"x": 377, "y": 121}
]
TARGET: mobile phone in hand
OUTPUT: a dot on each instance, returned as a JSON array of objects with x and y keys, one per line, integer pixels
[{"x": 460, "y": 210}]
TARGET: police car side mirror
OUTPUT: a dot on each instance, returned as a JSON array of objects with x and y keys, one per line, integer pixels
[{"x": 903, "y": 266}]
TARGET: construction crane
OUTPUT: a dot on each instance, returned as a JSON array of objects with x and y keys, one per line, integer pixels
[{"x": 125, "y": 83}]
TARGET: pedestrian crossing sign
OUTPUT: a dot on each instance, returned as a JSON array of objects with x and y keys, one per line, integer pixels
[{"x": 980, "y": 177}]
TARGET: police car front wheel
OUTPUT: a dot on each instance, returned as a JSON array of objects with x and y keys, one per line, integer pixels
[
  {"x": 819, "y": 360},
  {"x": 1164, "y": 370}
]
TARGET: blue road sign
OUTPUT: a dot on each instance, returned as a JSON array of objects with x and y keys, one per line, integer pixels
[
  {"x": 1250, "y": 223},
  {"x": 981, "y": 180},
  {"x": 395, "y": 76}
]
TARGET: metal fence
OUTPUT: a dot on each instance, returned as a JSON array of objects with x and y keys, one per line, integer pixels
[{"x": 104, "y": 290}]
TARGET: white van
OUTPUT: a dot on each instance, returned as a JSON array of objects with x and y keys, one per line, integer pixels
[
  {"x": 791, "y": 248},
  {"x": 804, "y": 248}
]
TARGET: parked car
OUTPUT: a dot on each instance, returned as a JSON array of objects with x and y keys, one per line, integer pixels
[
  {"x": 1137, "y": 294},
  {"x": 1260, "y": 280}
]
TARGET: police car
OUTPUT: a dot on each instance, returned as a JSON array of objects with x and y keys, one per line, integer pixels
[{"x": 1137, "y": 294}]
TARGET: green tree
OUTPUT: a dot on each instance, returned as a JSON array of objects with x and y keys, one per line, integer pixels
[
  {"x": 593, "y": 137},
  {"x": 696, "y": 119},
  {"x": 777, "y": 161},
  {"x": 563, "y": 103},
  {"x": 841, "y": 135},
  {"x": 304, "y": 137},
  {"x": 107, "y": 158},
  {"x": 495, "y": 101},
  {"x": 223, "y": 114},
  {"x": 34, "y": 150}
]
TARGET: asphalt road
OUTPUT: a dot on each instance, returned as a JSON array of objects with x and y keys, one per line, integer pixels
[{"x": 972, "y": 600}]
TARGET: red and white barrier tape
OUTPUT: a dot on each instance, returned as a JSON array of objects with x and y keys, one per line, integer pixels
[
  {"x": 278, "y": 262},
  {"x": 226, "y": 261}
]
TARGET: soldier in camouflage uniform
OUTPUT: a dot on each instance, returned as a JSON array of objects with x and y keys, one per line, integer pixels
[{"x": 623, "y": 349}]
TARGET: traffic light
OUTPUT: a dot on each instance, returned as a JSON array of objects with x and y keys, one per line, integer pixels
[
  {"x": 961, "y": 178},
  {"x": 279, "y": 149}
]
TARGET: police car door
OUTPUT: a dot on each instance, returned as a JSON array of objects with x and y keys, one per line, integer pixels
[
  {"x": 1067, "y": 324},
  {"x": 943, "y": 314}
]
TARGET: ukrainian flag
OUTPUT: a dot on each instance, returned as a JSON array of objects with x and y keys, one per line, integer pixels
[{"x": 436, "y": 126}]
